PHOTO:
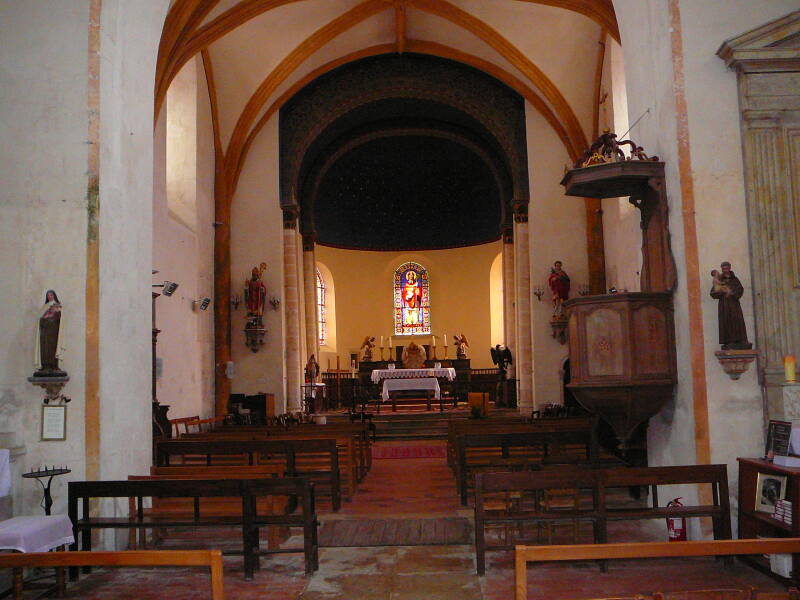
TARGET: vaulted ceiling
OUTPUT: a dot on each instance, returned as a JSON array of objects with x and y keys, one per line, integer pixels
[{"x": 259, "y": 53}]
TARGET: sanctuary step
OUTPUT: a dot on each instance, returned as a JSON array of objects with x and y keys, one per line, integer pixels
[{"x": 418, "y": 425}]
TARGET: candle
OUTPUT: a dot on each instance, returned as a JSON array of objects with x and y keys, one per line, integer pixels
[
  {"x": 433, "y": 343},
  {"x": 790, "y": 367},
  {"x": 337, "y": 362},
  {"x": 390, "y": 342},
  {"x": 381, "y": 341},
  {"x": 329, "y": 363},
  {"x": 445, "y": 339}
]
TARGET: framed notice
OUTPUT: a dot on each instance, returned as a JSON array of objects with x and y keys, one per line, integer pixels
[
  {"x": 54, "y": 423},
  {"x": 778, "y": 434},
  {"x": 769, "y": 489}
]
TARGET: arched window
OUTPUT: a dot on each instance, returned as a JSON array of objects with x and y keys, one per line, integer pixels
[
  {"x": 322, "y": 326},
  {"x": 412, "y": 312}
]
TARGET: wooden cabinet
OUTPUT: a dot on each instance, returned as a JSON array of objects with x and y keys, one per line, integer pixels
[{"x": 754, "y": 523}]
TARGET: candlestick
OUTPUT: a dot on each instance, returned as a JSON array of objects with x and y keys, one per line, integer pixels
[
  {"x": 337, "y": 362},
  {"x": 329, "y": 363},
  {"x": 790, "y": 368}
]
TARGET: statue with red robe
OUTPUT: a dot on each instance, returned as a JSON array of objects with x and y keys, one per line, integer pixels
[{"x": 559, "y": 285}]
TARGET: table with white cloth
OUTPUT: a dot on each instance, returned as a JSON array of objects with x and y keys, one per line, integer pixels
[
  {"x": 378, "y": 375},
  {"x": 412, "y": 379},
  {"x": 36, "y": 534}
]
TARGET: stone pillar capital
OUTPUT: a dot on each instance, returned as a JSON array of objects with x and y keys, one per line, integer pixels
[
  {"x": 520, "y": 212},
  {"x": 309, "y": 241},
  {"x": 508, "y": 234},
  {"x": 290, "y": 214}
]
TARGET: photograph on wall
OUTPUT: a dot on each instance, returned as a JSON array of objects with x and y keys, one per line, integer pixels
[{"x": 769, "y": 489}]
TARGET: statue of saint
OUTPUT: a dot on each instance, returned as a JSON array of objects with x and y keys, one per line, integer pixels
[
  {"x": 727, "y": 288},
  {"x": 48, "y": 338},
  {"x": 461, "y": 344},
  {"x": 255, "y": 292},
  {"x": 559, "y": 285},
  {"x": 367, "y": 345}
]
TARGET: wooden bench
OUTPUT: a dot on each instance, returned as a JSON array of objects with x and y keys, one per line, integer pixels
[
  {"x": 597, "y": 482},
  {"x": 313, "y": 459},
  {"x": 525, "y": 554},
  {"x": 250, "y": 520},
  {"x": 352, "y": 440},
  {"x": 129, "y": 558},
  {"x": 715, "y": 476},
  {"x": 186, "y": 422},
  {"x": 520, "y": 504},
  {"x": 529, "y": 446}
]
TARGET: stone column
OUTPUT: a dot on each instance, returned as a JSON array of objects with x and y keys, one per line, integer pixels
[
  {"x": 509, "y": 295},
  {"x": 524, "y": 353},
  {"x": 310, "y": 293},
  {"x": 291, "y": 309}
]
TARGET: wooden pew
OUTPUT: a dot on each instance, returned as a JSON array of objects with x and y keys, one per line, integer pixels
[
  {"x": 128, "y": 558},
  {"x": 314, "y": 459},
  {"x": 715, "y": 476},
  {"x": 248, "y": 490},
  {"x": 598, "y": 482},
  {"x": 352, "y": 439},
  {"x": 572, "y": 440},
  {"x": 525, "y": 554},
  {"x": 186, "y": 422},
  {"x": 521, "y": 493}
]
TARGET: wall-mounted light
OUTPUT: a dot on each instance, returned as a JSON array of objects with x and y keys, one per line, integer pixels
[
  {"x": 275, "y": 302},
  {"x": 236, "y": 300},
  {"x": 169, "y": 287},
  {"x": 202, "y": 304},
  {"x": 538, "y": 292}
]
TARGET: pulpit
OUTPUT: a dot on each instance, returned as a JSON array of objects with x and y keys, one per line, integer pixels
[
  {"x": 622, "y": 346},
  {"x": 622, "y": 356}
]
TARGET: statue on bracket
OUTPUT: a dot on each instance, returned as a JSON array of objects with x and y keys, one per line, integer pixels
[
  {"x": 255, "y": 297},
  {"x": 367, "y": 345},
  {"x": 559, "y": 286},
  {"x": 48, "y": 338},
  {"x": 727, "y": 289}
]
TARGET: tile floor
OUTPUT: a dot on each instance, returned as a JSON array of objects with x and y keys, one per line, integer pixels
[{"x": 402, "y": 488}]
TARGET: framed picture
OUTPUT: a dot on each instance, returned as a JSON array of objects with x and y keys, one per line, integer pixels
[
  {"x": 54, "y": 423},
  {"x": 769, "y": 489}
]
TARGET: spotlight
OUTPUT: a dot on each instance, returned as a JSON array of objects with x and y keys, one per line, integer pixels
[
  {"x": 202, "y": 304},
  {"x": 169, "y": 287}
]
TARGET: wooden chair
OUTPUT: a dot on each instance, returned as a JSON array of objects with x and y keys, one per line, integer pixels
[
  {"x": 129, "y": 558},
  {"x": 183, "y": 421}
]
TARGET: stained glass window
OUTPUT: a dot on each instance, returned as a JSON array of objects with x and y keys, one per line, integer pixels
[
  {"x": 412, "y": 312},
  {"x": 322, "y": 328}
]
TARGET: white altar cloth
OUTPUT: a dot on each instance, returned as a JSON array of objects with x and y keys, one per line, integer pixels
[
  {"x": 419, "y": 383},
  {"x": 35, "y": 534},
  {"x": 379, "y": 374}
]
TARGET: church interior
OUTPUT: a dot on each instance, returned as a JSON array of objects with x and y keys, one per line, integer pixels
[{"x": 400, "y": 298}]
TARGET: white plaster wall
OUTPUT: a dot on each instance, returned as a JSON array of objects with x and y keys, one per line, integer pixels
[
  {"x": 183, "y": 247},
  {"x": 256, "y": 234},
  {"x": 734, "y": 407},
  {"x": 129, "y": 41},
  {"x": 43, "y": 157},
  {"x": 557, "y": 228}
]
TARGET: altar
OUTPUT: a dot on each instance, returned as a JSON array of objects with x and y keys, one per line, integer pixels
[{"x": 412, "y": 379}]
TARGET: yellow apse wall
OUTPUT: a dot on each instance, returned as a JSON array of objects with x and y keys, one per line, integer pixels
[{"x": 459, "y": 291}]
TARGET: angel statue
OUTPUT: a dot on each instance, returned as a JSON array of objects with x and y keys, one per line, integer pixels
[
  {"x": 461, "y": 345},
  {"x": 367, "y": 345}
]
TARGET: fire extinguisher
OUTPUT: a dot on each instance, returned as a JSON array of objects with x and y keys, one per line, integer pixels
[{"x": 676, "y": 526}]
